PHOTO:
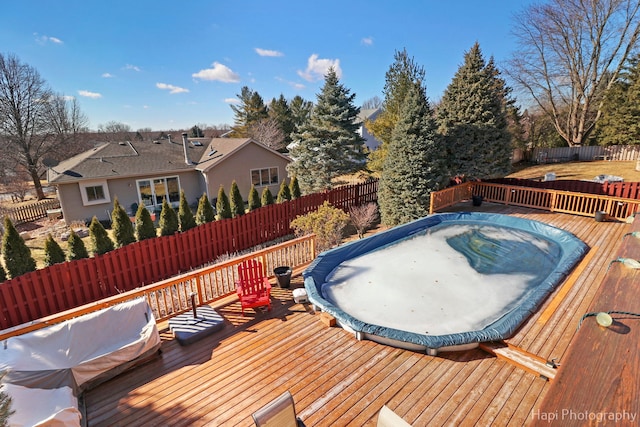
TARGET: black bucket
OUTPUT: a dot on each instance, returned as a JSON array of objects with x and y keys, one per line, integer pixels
[
  {"x": 601, "y": 216},
  {"x": 283, "y": 275}
]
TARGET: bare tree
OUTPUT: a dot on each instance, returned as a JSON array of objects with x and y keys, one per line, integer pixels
[
  {"x": 115, "y": 131},
  {"x": 34, "y": 122},
  {"x": 363, "y": 217},
  {"x": 372, "y": 103},
  {"x": 570, "y": 52},
  {"x": 268, "y": 132}
]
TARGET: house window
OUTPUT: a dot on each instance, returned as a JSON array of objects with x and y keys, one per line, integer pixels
[
  {"x": 94, "y": 192},
  {"x": 266, "y": 176},
  {"x": 151, "y": 192}
]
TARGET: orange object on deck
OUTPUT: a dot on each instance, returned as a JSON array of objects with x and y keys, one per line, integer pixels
[{"x": 253, "y": 287}]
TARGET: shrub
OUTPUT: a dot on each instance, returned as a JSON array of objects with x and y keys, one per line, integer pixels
[
  {"x": 145, "y": 229},
  {"x": 5, "y": 405},
  {"x": 363, "y": 217},
  {"x": 205, "y": 211},
  {"x": 100, "y": 241},
  {"x": 267, "y": 197},
  {"x": 121, "y": 225},
  {"x": 295, "y": 188},
  {"x": 168, "y": 219},
  {"x": 53, "y": 253},
  {"x": 328, "y": 224},
  {"x": 284, "y": 194},
  {"x": 3, "y": 277},
  {"x": 237, "y": 204},
  {"x": 76, "y": 248},
  {"x": 185, "y": 216},
  {"x": 222, "y": 204},
  {"x": 17, "y": 255},
  {"x": 254, "y": 199}
]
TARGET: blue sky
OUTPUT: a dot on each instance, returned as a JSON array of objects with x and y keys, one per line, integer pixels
[{"x": 169, "y": 65}]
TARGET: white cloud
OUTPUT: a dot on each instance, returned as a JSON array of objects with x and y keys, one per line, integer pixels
[
  {"x": 298, "y": 86},
  {"x": 368, "y": 41},
  {"x": 317, "y": 68},
  {"x": 218, "y": 72},
  {"x": 87, "y": 94},
  {"x": 107, "y": 75},
  {"x": 132, "y": 67},
  {"x": 171, "y": 88},
  {"x": 266, "y": 52},
  {"x": 42, "y": 39},
  {"x": 68, "y": 97},
  {"x": 232, "y": 100}
]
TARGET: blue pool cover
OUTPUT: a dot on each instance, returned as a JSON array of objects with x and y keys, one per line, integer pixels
[{"x": 484, "y": 253}]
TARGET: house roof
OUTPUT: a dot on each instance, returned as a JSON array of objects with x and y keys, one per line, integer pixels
[
  {"x": 142, "y": 158},
  {"x": 368, "y": 113}
]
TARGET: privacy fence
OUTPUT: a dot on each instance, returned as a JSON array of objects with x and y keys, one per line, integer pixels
[
  {"x": 30, "y": 212},
  {"x": 587, "y": 153},
  {"x": 63, "y": 286}
]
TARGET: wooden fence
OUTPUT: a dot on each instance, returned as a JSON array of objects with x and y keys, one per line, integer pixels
[
  {"x": 587, "y": 153},
  {"x": 173, "y": 296},
  {"x": 63, "y": 286},
  {"x": 628, "y": 190},
  {"x": 538, "y": 198},
  {"x": 30, "y": 212}
]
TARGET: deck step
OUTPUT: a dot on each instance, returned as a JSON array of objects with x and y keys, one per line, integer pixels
[{"x": 521, "y": 358}]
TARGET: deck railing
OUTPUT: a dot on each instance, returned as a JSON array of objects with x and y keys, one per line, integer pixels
[
  {"x": 537, "y": 198},
  {"x": 173, "y": 296}
]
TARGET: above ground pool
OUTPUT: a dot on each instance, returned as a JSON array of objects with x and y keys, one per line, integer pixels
[{"x": 443, "y": 282}]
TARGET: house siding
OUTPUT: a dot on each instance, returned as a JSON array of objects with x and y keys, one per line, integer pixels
[{"x": 238, "y": 167}]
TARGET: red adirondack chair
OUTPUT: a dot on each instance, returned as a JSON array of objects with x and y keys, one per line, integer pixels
[{"x": 253, "y": 288}]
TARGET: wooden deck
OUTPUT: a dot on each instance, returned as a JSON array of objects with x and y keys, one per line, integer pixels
[{"x": 339, "y": 381}]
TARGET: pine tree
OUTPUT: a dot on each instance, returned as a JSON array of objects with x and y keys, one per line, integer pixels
[
  {"x": 279, "y": 111},
  {"x": 284, "y": 193},
  {"x": 300, "y": 112},
  {"x": 414, "y": 165},
  {"x": 100, "y": 241},
  {"x": 620, "y": 121},
  {"x": 237, "y": 204},
  {"x": 472, "y": 118},
  {"x": 53, "y": 253},
  {"x": 248, "y": 112},
  {"x": 145, "y": 229},
  {"x": 121, "y": 225},
  {"x": 186, "y": 221},
  {"x": 222, "y": 205},
  {"x": 5, "y": 405},
  {"x": 16, "y": 253},
  {"x": 3, "y": 277},
  {"x": 328, "y": 145},
  {"x": 75, "y": 247},
  {"x": 267, "y": 197},
  {"x": 168, "y": 219},
  {"x": 294, "y": 187},
  {"x": 205, "y": 211},
  {"x": 254, "y": 199},
  {"x": 403, "y": 73}
]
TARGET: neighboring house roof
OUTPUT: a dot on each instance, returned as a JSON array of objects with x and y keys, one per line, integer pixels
[
  {"x": 140, "y": 158},
  {"x": 369, "y": 113}
]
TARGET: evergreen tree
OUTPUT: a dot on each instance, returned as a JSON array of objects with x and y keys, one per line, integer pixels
[
  {"x": 121, "y": 225},
  {"x": 5, "y": 403},
  {"x": 75, "y": 247},
  {"x": 267, "y": 197},
  {"x": 402, "y": 74},
  {"x": 279, "y": 111},
  {"x": 168, "y": 219},
  {"x": 620, "y": 121},
  {"x": 329, "y": 144},
  {"x": 254, "y": 199},
  {"x": 100, "y": 241},
  {"x": 222, "y": 205},
  {"x": 414, "y": 165},
  {"x": 294, "y": 187},
  {"x": 196, "y": 132},
  {"x": 186, "y": 221},
  {"x": 284, "y": 193},
  {"x": 205, "y": 211},
  {"x": 248, "y": 112},
  {"x": 145, "y": 229},
  {"x": 16, "y": 253},
  {"x": 53, "y": 253},
  {"x": 300, "y": 111},
  {"x": 237, "y": 204},
  {"x": 472, "y": 118},
  {"x": 3, "y": 277}
]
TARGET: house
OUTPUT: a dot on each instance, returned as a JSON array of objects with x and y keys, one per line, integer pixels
[
  {"x": 147, "y": 171},
  {"x": 368, "y": 114}
]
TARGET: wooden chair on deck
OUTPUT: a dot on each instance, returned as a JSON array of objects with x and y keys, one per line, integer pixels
[
  {"x": 253, "y": 288},
  {"x": 280, "y": 412}
]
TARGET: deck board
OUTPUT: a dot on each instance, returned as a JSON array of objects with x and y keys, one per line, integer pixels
[{"x": 339, "y": 381}]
